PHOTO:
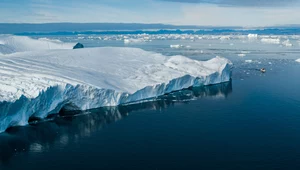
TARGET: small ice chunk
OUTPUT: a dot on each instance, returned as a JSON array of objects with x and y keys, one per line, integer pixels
[
  {"x": 248, "y": 61},
  {"x": 176, "y": 46},
  {"x": 242, "y": 55}
]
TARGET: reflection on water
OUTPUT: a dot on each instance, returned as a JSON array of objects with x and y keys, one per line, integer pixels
[{"x": 66, "y": 128}]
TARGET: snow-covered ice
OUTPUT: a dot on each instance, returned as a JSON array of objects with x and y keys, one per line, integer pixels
[
  {"x": 37, "y": 83},
  {"x": 11, "y": 44}
]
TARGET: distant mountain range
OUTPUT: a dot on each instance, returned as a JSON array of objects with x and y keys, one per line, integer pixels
[{"x": 24, "y": 28}]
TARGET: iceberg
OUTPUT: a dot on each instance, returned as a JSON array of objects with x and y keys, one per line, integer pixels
[
  {"x": 252, "y": 36},
  {"x": 298, "y": 60},
  {"x": 36, "y": 84}
]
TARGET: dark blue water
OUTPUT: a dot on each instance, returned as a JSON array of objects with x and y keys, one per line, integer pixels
[{"x": 252, "y": 122}]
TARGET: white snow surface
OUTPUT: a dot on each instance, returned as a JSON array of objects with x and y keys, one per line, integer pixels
[
  {"x": 11, "y": 44},
  {"x": 38, "y": 83}
]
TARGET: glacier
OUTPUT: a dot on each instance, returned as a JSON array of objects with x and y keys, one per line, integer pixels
[{"x": 38, "y": 83}]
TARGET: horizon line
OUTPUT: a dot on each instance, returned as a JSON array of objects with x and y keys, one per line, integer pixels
[{"x": 162, "y": 24}]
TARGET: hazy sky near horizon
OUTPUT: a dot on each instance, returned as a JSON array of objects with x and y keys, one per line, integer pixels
[{"x": 178, "y": 12}]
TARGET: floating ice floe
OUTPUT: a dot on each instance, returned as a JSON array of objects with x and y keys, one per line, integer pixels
[
  {"x": 179, "y": 46},
  {"x": 223, "y": 38},
  {"x": 133, "y": 41},
  {"x": 176, "y": 46},
  {"x": 298, "y": 60},
  {"x": 248, "y": 61},
  {"x": 242, "y": 55},
  {"x": 39, "y": 83},
  {"x": 270, "y": 40}
]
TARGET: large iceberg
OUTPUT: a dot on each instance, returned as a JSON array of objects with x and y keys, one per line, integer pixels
[{"x": 36, "y": 84}]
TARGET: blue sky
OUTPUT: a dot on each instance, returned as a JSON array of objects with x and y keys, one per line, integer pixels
[{"x": 178, "y": 12}]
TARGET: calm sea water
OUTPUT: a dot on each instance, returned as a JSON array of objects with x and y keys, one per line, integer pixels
[{"x": 252, "y": 122}]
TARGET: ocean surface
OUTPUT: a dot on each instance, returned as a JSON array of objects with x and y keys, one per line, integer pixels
[{"x": 252, "y": 122}]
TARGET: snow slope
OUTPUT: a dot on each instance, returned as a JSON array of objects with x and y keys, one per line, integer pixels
[
  {"x": 39, "y": 83},
  {"x": 11, "y": 44}
]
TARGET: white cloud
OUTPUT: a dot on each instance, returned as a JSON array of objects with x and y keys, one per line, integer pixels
[
  {"x": 149, "y": 11},
  {"x": 238, "y": 16}
]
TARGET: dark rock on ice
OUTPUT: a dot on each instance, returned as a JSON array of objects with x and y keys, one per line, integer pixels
[{"x": 78, "y": 45}]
